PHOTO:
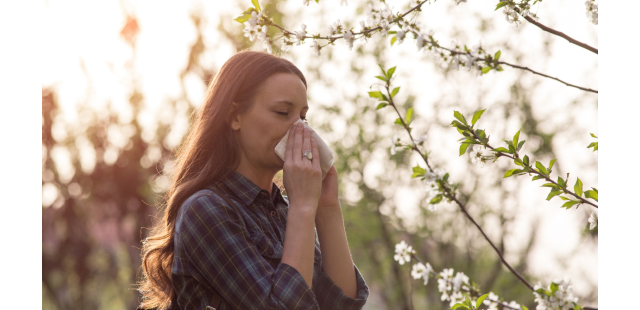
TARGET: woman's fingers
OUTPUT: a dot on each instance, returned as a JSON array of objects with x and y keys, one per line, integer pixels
[
  {"x": 316, "y": 154},
  {"x": 297, "y": 144},
  {"x": 306, "y": 144},
  {"x": 289, "y": 147}
]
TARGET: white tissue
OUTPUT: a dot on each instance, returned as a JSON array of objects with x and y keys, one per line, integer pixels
[{"x": 326, "y": 155}]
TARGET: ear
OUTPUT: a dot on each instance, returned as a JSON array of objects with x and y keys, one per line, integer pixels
[{"x": 233, "y": 118}]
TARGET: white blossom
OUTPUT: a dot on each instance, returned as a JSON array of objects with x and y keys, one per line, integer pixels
[
  {"x": 315, "y": 47},
  {"x": 363, "y": 26},
  {"x": 394, "y": 143},
  {"x": 420, "y": 41},
  {"x": 458, "y": 280},
  {"x": 305, "y": 2},
  {"x": 333, "y": 28},
  {"x": 301, "y": 33},
  {"x": 492, "y": 301},
  {"x": 384, "y": 28},
  {"x": 400, "y": 36},
  {"x": 593, "y": 220},
  {"x": 592, "y": 11},
  {"x": 562, "y": 298},
  {"x": 344, "y": 2},
  {"x": 420, "y": 138},
  {"x": 421, "y": 271},
  {"x": 349, "y": 38},
  {"x": 403, "y": 253}
]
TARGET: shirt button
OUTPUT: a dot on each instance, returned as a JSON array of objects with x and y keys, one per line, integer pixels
[{"x": 273, "y": 213}]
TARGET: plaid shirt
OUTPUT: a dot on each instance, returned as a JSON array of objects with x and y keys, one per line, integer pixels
[{"x": 215, "y": 252}]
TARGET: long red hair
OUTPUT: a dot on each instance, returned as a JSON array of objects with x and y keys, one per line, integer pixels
[{"x": 208, "y": 153}]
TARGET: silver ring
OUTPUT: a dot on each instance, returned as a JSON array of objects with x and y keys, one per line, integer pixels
[{"x": 308, "y": 154}]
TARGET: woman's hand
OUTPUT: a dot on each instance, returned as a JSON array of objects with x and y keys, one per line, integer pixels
[
  {"x": 302, "y": 178},
  {"x": 329, "y": 204}
]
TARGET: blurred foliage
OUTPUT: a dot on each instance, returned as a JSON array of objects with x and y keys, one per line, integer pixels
[{"x": 92, "y": 232}]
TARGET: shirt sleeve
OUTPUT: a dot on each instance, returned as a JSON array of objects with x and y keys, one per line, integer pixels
[
  {"x": 218, "y": 245},
  {"x": 331, "y": 296}
]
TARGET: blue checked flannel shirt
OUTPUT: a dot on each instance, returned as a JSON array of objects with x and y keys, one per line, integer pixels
[{"x": 215, "y": 252}]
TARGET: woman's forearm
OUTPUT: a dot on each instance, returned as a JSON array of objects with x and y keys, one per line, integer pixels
[
  {"x": 336, "y": 257},
  {"x": 299, "y": 242}
]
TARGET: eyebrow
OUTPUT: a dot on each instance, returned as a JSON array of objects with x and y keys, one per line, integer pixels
[{"x": 290, "y": 103}]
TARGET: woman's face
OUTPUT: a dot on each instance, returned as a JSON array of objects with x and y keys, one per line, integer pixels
[{"x": 280, "y": 101}]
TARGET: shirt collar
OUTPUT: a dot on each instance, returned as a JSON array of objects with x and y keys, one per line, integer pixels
[{"x": 248, "y": 191}]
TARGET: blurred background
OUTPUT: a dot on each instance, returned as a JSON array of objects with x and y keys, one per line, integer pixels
[{"x": 121, "y": 80}]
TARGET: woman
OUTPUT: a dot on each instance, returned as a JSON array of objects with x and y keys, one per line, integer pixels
[{"x": 228, "y": 238}]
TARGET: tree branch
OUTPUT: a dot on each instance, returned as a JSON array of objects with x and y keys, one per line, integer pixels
[
  {"x": 451, "y": 196},
  {"x": 531, "y": 170},
  {"x": 560, "y": 34},
  {"x": 366, "y": 32}
]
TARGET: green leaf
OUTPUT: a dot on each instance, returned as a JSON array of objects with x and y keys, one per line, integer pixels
[
  {"x": 564, "y": 198},
  {"x": 537, "y": 177},
  {"x": 375, "y": 94},
  {"x": 436, "y": 199},
  {"x": 382, "y": 78},
  {"x": 542, "y": 291},
  {"x": 383, "y": 72},
  {"x": 525, "y": 160},
  {"x": 460, "y": 117},
  {"x": 549, "y": 185},
  {"x": 570, "y": 204},
  {"x": 393, "y": 40},
  {"x": 553, "y": 287},
  {"x": 266, "y": 7},
  {"x": 463, "y": 148},
  {"x": 256, "y": 4},
  {"x": 486, "y": 70},
  {"x": 524, "y": 307},
  {"x": 578, "y": 187},
  {"x": 481, "y": 134},
  {"x": 520, "y": 145},
  {"x": 499, "y": 68},
  {"x": 511, "y": 149},
  {"x": 243, "y": 18},
  {"x": 591, "y": 194},
  {"x": 480, "y": 300},
  {"x": 595, "y": 189},
  {"x": 562, "y": 182},
  {"x": 496, "y": 56},
  {"x": 541, "y": 168},
  {"x": 409, "y": 114},
  {"x": 459, "y": 305},
  {"x": 594, "y": 136},
  {"x": 458, "y": 125},
  {"x": 515, "y": 138},
  {"x": 381, "y": 105},
  {"x": 501, "y": 149},
  {"x": 501, "y": 4},
  {"x": 476, "y": 117},
  {"x": 511, "y": 172},
  {"x": 445, "y": 176},
  {"x": 398, "y": 121},
  {"x": 553, "y": 161},
  {"x": 418, "y": 171},
  {"x": 390, "y": 72},
  {"x": 553, "y": 194},
  {"x": 518, "y": 162},
  {"x": 395, "y": 91}
]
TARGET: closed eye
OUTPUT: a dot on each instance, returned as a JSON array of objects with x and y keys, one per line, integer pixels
[{"x": 285, "y": 114}]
